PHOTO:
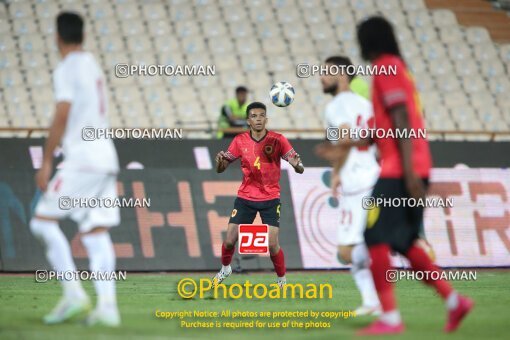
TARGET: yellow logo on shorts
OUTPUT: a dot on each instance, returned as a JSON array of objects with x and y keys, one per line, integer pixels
[
  {"x": 234, "y": 212},
  {"x": 373, "y": 216},
  {"x": 278, "y": 210}
]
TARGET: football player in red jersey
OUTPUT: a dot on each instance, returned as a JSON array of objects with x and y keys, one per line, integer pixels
[
  {"x": 405, "y": 170},
  {"x": 260, "y": 151}
]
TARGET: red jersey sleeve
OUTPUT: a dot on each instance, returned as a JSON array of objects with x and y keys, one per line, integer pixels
[
  {"x": 286, "y": 150},
  {"x": 234, "y": 151},
  {"x": 392, "y": 87}
]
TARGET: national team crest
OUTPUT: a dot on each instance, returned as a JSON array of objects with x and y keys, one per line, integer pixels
[{"x": 268, "y": 149}]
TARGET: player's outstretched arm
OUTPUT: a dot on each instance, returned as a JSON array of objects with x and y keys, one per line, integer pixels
[
  {"x": 296, "y": 163},
  {"x": 221, "y": 162}
]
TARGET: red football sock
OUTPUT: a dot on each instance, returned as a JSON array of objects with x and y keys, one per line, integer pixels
[
  {"x": 380, "y": 264},
  {"x": 420, "y": 261},
  {"x": 279, "y": 263},
  {"x": 226, "y": 254}
]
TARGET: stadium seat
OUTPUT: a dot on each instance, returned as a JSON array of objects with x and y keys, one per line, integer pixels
[
  {"x": 20, "y": 10},
  {"x": 209, "y": 13},
  {"x": 167, "y": 45},
  {"x": 261, "y": 14},
  {"x": 220, "y": 45},
  {"x": 456, "y": 99},
  {"x": 419, "y": 18},
  {"x": 241, "y": 30},
  {"x": 444, "y": 18},
  {"x": 251, "y": 62},
  {"x": 153, "y": 11},
  {"x": 486, "y": 52},
  {"x": 459, "y": 52},
  {"x": 101, "y": 10},
  {"x": 499, "y": 85},
  {"x": 413, "y": 5},
  {"x": 473, "y": 85},
  {"x": 214, "y": 29},
  {"x": 33, "y": 60},
  {"x": 181, "y": 13},
  {"x": 425, "y": 35},
  {"x": 8, "y": 60},
  {"x": 31, "y": 43},
  {"x": 448, "y": 83},
  {"x": 111, "y": 43},
  {"x": 491, "y": 70},
  {"x": 11, "y": 78},
  {"x": 191, "y": 45},
  {"x": 433, "y": 51},
  {"x": 132, "y": 27},
  {"x": 38, "y": 78},
  {"x": 138, "y": 43},
  {"x": 128, "y": 11},
  {"x": 226, "y": 62},
  {"x": 25, "y": 26},
  {"x": 158, "y": 29},
  {"x": 450, "y": 34},
  {"x": 187, "y": 29},
  {"x": 477, "y": 35}
]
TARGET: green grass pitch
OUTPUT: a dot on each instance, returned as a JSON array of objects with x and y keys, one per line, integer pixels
[{"x": 23, "y": 303}]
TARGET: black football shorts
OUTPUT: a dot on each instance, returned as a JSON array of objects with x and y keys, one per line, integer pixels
[
  {"x": 397, "y": 226},
  {"x": 245, "y": 211}
]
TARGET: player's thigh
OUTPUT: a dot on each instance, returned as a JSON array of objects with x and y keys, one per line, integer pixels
[
  {"x": 64, "y": 190},
  {"x": 352, "y": 219},
  {"x": 242, "y": 213},
  {"x": 396, "y": 226},
  {"x": 106, "y": 215},
  {"x": 270, "y": 212}
]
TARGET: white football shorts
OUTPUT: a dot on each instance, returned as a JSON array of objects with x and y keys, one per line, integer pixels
[
  {"x": 68, "y": 186},
  {"x": 352, "y": 218}
]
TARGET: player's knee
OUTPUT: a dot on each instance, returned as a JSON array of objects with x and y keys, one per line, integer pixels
[
  {"x": 39, "y": 226},
  {"x": 274, "y": 247},
  {"x": 229, "y": 244},
  {"x": 344, "y": 255}
]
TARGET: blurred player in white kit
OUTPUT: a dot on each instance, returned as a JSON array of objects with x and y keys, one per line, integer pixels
[
  {"x": 89, "y": 171},
  {"x": 355, "y": 171}
]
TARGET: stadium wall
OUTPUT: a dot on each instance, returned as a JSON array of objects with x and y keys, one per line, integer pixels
[{"x": 190, "y": 205}]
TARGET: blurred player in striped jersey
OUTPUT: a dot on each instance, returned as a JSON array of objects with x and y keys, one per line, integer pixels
[
  {"x": 89, "y": 171},
  {"x": 355, "y": 171},
  {"x": 260, "y": 152}
]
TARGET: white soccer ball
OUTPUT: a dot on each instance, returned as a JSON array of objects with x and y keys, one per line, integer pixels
[{"x": 282, "y": 94}]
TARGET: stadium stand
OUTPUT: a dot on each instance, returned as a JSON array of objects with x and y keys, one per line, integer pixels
[{"x": 462, "y": 74}]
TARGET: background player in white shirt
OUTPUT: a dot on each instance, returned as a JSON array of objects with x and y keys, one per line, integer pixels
[
  {"x": 89, "y": 171},
  {"x": 355, "y": 171}
]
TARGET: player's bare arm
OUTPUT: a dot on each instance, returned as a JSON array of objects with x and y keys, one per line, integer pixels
[
  {"x": 296, "y": 163},
  {"x": 55, "y": 136},
  {"x": 414, "y": 184},
  {"x": 221, "y": 162}
]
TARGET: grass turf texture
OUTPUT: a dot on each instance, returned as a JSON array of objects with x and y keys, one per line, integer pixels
[{"x": 23, "y": 303}]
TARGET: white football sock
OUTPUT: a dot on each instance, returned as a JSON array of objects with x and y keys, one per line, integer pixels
[
  {"x": 452, "y": 301},
  {"x": 362, "y": 276},
  {"x": 225, "y": 269},
  {"x": 391, "y": 318},
  {"x": 58, "y": 254},
  {"x": 102, "y": 260}
]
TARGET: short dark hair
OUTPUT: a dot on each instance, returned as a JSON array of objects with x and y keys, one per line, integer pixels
[
  {"x": 240, "y": 89},
  {"x": 340, "y": 60},
  {"x": 70, "y": 27},
  {"x": 255, "y": 105},
  {"x": 376, "y": 37}
]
